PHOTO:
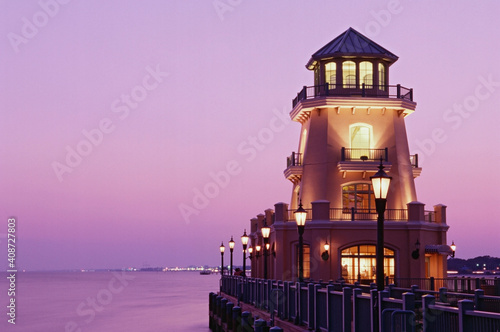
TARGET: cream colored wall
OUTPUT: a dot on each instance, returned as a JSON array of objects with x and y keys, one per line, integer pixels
[{"x": 329, "y": 132}]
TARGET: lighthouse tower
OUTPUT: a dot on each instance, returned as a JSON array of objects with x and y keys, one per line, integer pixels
[{"x": 352, "y": 119}]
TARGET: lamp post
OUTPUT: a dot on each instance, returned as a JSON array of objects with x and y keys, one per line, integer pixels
[
  {"x": 266, "y": 230},
  {"x": 231, "y": 247},
  {"x": 222, "y": 248},
  {"x": 300, "y": 218},
  {"x": 244, "y": 241},
  {"x": 380, "y": 183},
  {"x": 250, "y": 250},
  {"x": 453, "y": 248}
]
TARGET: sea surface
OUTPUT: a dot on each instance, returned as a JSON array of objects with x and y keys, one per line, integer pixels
[{"x": 108, "y": 301}]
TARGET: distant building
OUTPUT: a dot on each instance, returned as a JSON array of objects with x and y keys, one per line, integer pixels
[{"x": 351, "y": 119}]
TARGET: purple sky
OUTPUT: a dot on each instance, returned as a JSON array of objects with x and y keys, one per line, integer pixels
[{"x": 173, "y": 92}]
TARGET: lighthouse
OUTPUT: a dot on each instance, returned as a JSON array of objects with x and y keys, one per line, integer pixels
[{"x": 352, "y": 122}]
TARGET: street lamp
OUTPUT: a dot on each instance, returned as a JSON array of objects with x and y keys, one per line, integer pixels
[
  {"x": 250, "y": 250},
  {"x": 257, "y": 254},
  {"x": 266, "y": 230},
  {"x": 231, "y": 247},
  {"x": 222, "y": 248},
  {"x": 453, "y": 248},
  {"x": 244, "y": 241},
  {"x": 380, "y": 183},
  {"x": 300, "y": 218}
]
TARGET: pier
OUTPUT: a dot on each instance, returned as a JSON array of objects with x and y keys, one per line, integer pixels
[{"x": 251, "y": 304}]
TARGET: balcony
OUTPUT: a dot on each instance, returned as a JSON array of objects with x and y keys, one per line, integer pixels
[
  {"x": 362, "y": 160},
  {"x": 336, "y": 90},
  {"x": 414, "y": 164},
  {"x": 293, "y": 171}
]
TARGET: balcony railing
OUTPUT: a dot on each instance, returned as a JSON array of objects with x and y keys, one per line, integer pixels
[
  {"x": 353, "y": 154},
  {"x": 367, "y": 214},
  {"x": 294, "y": 160},
  {"x": 352, "y": 214},
  {"x": 414, "y": 160},
  {"x": 340, "y": 90}
]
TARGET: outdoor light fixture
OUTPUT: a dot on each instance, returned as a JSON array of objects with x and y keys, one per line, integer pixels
[
  {"x": 250, "y": 250},
  {"x": 380, "y": 183},
  {"x": 325, "y": 254},
  {"x": 244, "y": 241},
  {"x": 266, "y": 231},
  {"x": 222, "y": 248},
  {"x": 257, "y": 254},
  {"x": 416, "y": 253},
  {"x": 453, "y": 248},
  {"x": 300, "y": 218},
  {"x": 231, "y": 247}
]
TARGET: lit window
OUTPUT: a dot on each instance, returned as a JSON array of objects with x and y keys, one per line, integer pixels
[
  {"x": 359, "y": 263},
  {"x": 366, "y": 73},
  {"x": 381, "y": 76},
  {"x": 331, "y": 73},
  {"x": 349, "y": 74},
  {"x": 360, "y": 138},
  {"x": 307, "y": 260},
  {"x": 358, "y": 196}
]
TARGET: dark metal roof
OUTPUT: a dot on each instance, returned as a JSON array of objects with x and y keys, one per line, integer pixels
[{"x": 352, "y": 43}]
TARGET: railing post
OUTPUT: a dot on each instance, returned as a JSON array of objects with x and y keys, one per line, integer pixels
[
  {"x": 327, "y": 89},
  {"x": 465, "y": 322},
  {"x": 411, "y": 94},
  {"x": 429, "y": 316},
  {"x": 342, "y": 154},
  {"x": 363, "y": 92},
  {"x": 479, "y": 299},
  {"x": 443, "y": 295},
  {"x": 432, "y": 283},
  {"x": 478, "y": 284},
  {"x": 409, "y": 301},
  {"x": 311, "y": 308},
  {"x": 352, "y": 214},
  {"x": 229, "y": 315},
  {"x": 386, "y": 155},
  {"x": 381, "y": 296},
  {"x": 398, "y": 89},
  {"x": 373, "y": 310},
  {"x": 346, "y": 309}
]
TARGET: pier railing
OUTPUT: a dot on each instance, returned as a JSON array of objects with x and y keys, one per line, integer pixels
[{"x": 342, "y": 307}]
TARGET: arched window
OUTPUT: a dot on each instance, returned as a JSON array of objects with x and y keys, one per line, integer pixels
[
  {"x": 360, "y": 136},
  {"x": 366, "y": 74},
  {"x": 358, "y": 263},
  {"x": 358, "y": 196},
  {"x": 349, "y": 74},
  {"x": 381, "y": 76},
  {"x": 331, "y": 73}
]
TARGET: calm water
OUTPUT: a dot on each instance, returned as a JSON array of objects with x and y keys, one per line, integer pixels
[{"x": 109, "y": 301}]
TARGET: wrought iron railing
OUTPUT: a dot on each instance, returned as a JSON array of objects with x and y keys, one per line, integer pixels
[
  {"x": 414, "y": 160},
  {"x": 294, "y": 160},
  {"x": 367, "y": 214},
  {"x": 355, "y": 154},
  {"x": 341, "y": 90}
]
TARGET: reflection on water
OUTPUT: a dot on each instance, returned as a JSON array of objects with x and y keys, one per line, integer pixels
[{"x": 110, "y": 301}]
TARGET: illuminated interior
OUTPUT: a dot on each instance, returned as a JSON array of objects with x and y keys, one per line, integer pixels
[
  {"x": 358, "y": 196},
  {"x": 381, "y": 76},
  {"x": 366, "y": 73},
  {"x": 361, "y": 140},
  {"x": 331, "y": 73},
  {"x": 307, "y": 261},
  {"x": 349, "y": 74},
  {"x": 359, "y": 263}
]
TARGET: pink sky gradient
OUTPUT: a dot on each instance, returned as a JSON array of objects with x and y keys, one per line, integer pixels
[{"x": 221, "y": 79}]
